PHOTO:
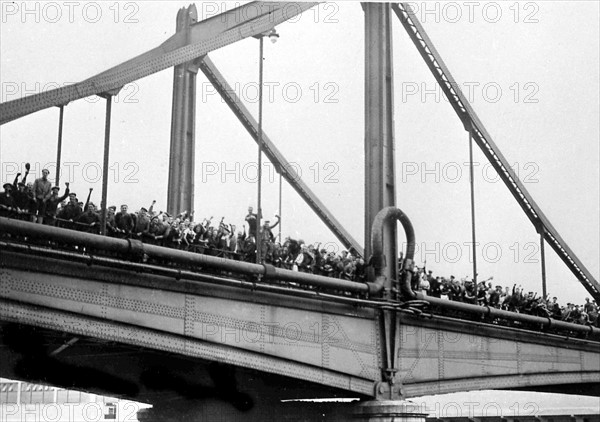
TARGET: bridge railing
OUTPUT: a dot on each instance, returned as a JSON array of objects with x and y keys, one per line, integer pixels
[
  {"x": 137, "y": 252},
  {"x": 136, "y": 249},
  {"x": 493, "y": 314}
]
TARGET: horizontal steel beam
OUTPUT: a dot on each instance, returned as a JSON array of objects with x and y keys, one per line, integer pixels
[
  {"x": 208, "y": 35},
  {"x": 566, "y": 383}
]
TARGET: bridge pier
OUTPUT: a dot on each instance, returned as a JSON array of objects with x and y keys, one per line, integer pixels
[{"x": 389, "y": 411}]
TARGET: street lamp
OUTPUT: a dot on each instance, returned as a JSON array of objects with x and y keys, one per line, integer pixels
[{"x": 273, "y": 36}]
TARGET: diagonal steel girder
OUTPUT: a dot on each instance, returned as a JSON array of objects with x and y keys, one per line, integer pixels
[
  {"x": 218, "y": 31},
  {"x": 275, "y": 156},
  {"x": 471, "y": 121}
]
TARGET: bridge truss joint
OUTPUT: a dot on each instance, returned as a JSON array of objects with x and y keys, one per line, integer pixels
[
  {"x": 110, "y": 93},
  {"x": 388, "y": 390}
]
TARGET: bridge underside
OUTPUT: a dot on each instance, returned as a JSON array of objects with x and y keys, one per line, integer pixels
[
  {"x": 151, "y": 376},
  {"x": 146, "y": 336},
  {"x": 179, "y": 385},
  {"x": 120, "y": 368}
]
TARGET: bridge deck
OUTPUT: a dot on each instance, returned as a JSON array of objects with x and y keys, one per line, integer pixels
[{"x": 280, "y": 328}]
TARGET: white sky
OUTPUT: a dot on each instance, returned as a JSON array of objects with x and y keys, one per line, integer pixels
[{"x": 542, "y": 56}]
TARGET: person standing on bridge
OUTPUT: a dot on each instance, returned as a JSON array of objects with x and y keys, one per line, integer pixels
[
  {"x": 240, "y": 245},
  {"x": 52, "y": 205},
  {"x": 7, "y": 202},
  {"x": 89, "y": 221},
  {"x": 156, "y": 230},
  {"x": 69, "y": 212},
  {"x": 22, "y": 200},
  {"x": 124, "y": 222},
  {"x": 267, "y": 238},
  {"x": 588, "y": 306},
  {"x": 494, "y": 299},
  {"x": 468, "y": 292},
  {"x": 251, "y": 220},
  {"x": 142, "y": 224},
  {"x": 42, "y": 190},
  {"x": 435, "y": 286},
  {"x": 23, "y": 203}
]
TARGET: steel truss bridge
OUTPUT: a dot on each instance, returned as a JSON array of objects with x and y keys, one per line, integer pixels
[{"x": 120, "y": 317}]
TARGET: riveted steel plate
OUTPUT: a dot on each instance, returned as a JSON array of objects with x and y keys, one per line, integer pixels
[{"x": 341, "y": 343}]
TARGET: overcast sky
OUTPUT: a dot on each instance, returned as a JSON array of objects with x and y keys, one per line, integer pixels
[{"x": 530, "y": 69}]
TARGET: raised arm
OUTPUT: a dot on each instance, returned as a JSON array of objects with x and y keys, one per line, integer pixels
[
  {"x": 27, "y": 167},
  {"x": 67, "y": 191},
  {"x": 275, "y": 225},
  {"x": 87, "y": 201},
  {"x": 16, "y": 181}
]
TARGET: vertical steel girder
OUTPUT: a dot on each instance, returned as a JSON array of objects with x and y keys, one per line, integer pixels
[
  {"x": 180, "y": 190},
  {"x": 59, "y": 143},
  {"x": 259, "y": 240},
  {"x": 103, "y": 204},
  {"x": 473, "y": 226},
  {"x": 379, "y": 129},
  {"x": 541, "y": 231},
  {"x": 380, "y": 178},
  {"x": 210, "y": 34}
]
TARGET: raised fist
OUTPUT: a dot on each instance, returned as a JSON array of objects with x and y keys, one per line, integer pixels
[
  {"x": 67, "y": 184},
  {"x": 27, "y": 166}
]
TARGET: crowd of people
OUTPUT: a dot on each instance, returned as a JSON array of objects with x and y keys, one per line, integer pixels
[
  {"x": 514, "y": 300},
  {"x": 42, "y": 203}
]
